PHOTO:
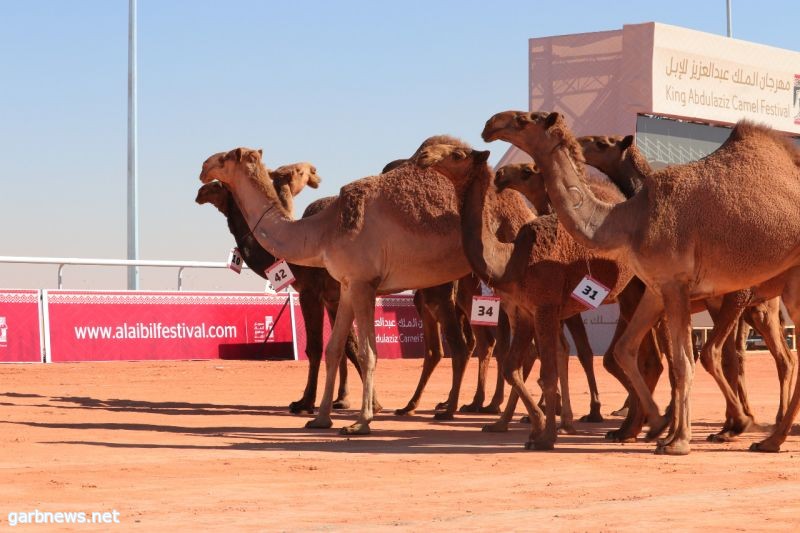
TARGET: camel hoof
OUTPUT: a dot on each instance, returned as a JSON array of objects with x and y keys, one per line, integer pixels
[
  {"x": 319, "y": 423},
  {"x": 765, "y": 446},
  {"x": 497, "y": 427},
  {"x": 722, "y": 436},
  {"x": 359, "y": 428},
  {"x": 443, "y": 415},
  {"x": 657, "y": 429},
  {"x": 674, "y": 448},
  {"x": 592, "y": 417},
  {"x": 623, "y": 411},
  {"x": 341, "y": 404},
  {"x": 567, "y": 430},
  {"x": 470, "y": 408},
  {"x": 491, "y": 409},
  {"x": 376, "y": 407},
  {"x": 540, "y": 445},
  {"x": 525, "y": 419},
  {"x": 442, "y": 406},
  {"x": 301, "y": 406},
  {"x": 405, "y": 410},
  {"x": 621, "y": 436}
]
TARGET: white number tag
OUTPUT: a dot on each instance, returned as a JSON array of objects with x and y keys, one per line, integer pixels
[
  {"x": 591, "y": 292},
  {"x": 235, "y": 260},
  {"x": 485, "y": 310},
  {"x": 279, "y": 275}
]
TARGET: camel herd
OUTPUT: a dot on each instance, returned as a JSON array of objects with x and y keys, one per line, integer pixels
[{"x": 713, "y": 234}]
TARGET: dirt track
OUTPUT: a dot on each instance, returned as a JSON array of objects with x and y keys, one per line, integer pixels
[{"x": 205, "y": 445}]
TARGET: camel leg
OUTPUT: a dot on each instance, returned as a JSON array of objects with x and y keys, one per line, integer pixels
[
  {"x": 586, "y": 357},
  {"x": 791, "y": 299},
  {"x": 484, "y": 346},
  {"x": 648, "y": 362},
  {"x": 363, "y": 303},
  {"x": 548, "y": 337},
  {"x": 333, "y": 353},
  {"x": 678, "y": 315},
  {"x": 504, "y": 335},
  {"x": 459, "y": 340},
  {"x": 351, "y": 351},
  {"x": 711, "y": 357},
  {"x": 311, "y": 308},
  {"x": 433, "y": 352},
  {"x": 766, "y": 319},
  {"x": 566, "y": 425},
  {"x": 650, "y": 367},
  {"x": 626, "y": 356},
  {"x": 733, "y": 367}
]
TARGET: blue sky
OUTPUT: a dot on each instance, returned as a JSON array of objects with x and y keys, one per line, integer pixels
[{"x": 346, "y": 85}]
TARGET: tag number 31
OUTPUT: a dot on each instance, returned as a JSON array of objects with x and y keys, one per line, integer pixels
[{"x": 587, "y": 291}]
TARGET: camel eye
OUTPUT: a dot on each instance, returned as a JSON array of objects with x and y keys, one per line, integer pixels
[{"x": 601, "y": 145}]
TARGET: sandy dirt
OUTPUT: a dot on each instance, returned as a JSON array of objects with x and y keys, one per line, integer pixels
[{"x": 210, "y": 445}]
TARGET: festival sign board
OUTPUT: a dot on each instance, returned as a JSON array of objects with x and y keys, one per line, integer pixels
[
  {"x": 20, "y": 326},
  {"x": 145, "y": 325}
]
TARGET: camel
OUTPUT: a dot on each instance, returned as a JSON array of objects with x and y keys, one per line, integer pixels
[
  {"x": 692, "y": 232},
  {"x": 620, "y": 159},
  {"x": 382, "y": 233},
  {"x": 317, "y": 290},
  {"x": 534, "y": 276}
]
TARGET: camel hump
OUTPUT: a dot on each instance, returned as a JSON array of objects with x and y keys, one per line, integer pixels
[
  {"x": 353, "y": 203},
  {"x": 318, "y": 205}
]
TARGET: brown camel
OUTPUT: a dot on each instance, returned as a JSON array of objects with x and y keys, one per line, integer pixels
[
  {"x": 620, "y": 159},
  {"x": 535, "y": 277},
  {"x": 317, "y": 290},
  {"x": 692, "y": 232},
  {"x": 383, "y": 233},
  {"x": 526, "y": 179}
]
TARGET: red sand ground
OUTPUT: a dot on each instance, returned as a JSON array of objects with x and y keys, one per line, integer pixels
[{"x": 202, "y": 445}]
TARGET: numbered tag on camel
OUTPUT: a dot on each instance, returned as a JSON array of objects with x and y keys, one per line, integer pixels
[
  {"x": 235, "y": 260},
  {"x": 591, "y": 292},
  {"x": 279, "y": 275},
  {"x": 485, "y": 310}
]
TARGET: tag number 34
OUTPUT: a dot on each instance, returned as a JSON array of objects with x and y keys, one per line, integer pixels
[{"x": 485, "y": 311}]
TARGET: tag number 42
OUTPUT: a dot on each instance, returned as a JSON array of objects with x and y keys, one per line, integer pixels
[{"x": 280, "y": 275}]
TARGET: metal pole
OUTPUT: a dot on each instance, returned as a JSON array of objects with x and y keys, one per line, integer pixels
[
  {"x": 730, "y": 25},
  {"x": 133, "y": 193}
]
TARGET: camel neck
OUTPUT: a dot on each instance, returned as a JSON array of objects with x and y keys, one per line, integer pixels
[
  {"x": 279, "y": 235},
  {"x": 487, "y": 255},
  {"x": 587, "y": 219}
]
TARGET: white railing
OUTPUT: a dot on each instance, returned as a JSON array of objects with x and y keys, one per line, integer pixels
[{"x": 64, "y": 261}]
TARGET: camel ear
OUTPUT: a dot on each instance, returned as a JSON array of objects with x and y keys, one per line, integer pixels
[
  {"x": 551, "y": 119},
  {"x": 236, "y": 155},
  {"x": 260, "y": 153},
  {"x": 481, "y": 156},
  {"x": 523, "y": 118},
  {"x": 459, "y": 154},
  {"x": 626, "y": 142}
]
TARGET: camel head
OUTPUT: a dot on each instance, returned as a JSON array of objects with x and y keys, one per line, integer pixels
[
  {"x": 295, "y": 177},
  {"x": 228, "y": 167},
  {"x": 214, "y": 193},
  {"x": 518, "y": 126},
  {"x": 515, "y": 176},
  {"x": 455, "y": 162},
  {"x": 526, "y": 179},
  {"x": 605, "y": 153}
]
